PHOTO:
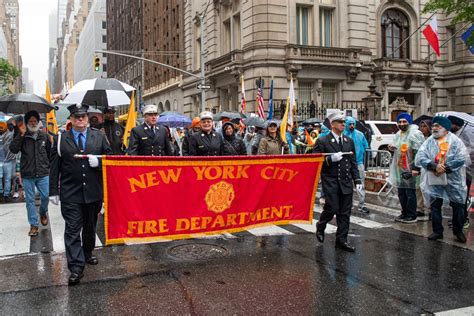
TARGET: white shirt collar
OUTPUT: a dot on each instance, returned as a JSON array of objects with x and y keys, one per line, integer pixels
[{"x": 336, "y": 137}]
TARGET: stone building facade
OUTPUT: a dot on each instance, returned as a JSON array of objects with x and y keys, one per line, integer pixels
[{"x": 340, "y": 53}]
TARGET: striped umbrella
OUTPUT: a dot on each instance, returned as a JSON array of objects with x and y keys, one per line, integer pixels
[{"x": 100, "y": 93}]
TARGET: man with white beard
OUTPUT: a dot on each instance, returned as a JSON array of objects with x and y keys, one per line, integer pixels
[{"x": 35, "y": 148}]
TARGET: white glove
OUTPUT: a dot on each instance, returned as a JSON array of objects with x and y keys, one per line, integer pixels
[
  {"x": 359, "y": 187},
  {"x": 54, "y": 199},
  {"x": 93, "y": 161},
  {"x": 336, "y": 157}
]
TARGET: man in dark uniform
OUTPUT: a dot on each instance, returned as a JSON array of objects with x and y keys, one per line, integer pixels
[
  {"x": 149, "y": 139},
  {"x": 113, "y": 131},
  {"x": 207, "y": 142},
  {"x": 77, "y": 183},
  {"x": 338, "y": 174}
]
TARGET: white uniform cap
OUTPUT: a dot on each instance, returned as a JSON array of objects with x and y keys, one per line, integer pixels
[
  {"x": 206, "y": 115},
  {"x": 150, "y": 109},
  {"x": 336, "y": 116}
]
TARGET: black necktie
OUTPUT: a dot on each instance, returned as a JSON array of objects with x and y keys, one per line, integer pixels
[
  {"x": 340, "y": 142},
  {"x": 80, "y": 143}
]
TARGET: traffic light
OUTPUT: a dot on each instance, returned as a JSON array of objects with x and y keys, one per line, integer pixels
[{"x": 97, "y": 63}]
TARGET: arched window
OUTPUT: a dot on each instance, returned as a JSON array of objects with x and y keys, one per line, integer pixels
[{"x": 395, "y": 29}]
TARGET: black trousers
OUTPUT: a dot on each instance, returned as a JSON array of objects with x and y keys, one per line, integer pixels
[
  {"x": 338, "y": 204},
  {"x": 79, "y": 218}
]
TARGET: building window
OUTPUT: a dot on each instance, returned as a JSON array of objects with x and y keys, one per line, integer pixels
[
  {"x": 452, "y": 43},
  {"x": 104, "y": 67},
  {"x": 329, "y": 93},
  {"x": 104, "y": 24},
  {"x": 236, "y": 30},
  {"x": 304, "y": 92},
  {"x": 326, "y": 26},
  {"x": 226, "y": 37},
  {"x": 104, "y": 38},
  {"x": 303, "y": 22},
  {"x": 395, "y": 29}
]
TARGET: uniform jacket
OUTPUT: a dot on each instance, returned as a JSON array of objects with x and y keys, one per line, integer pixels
[
  {"x": 143, "y": 142},
  {"x": 340, "y": 174},
  {"x": 114, "y": 133},
  {"x": 35, "y": 153},
  {"x": 206, "y": 144},
  {"x": 73, "y": 179}
]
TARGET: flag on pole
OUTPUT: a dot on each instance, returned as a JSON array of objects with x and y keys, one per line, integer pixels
[
  {"x": 243, "y": 103},
  {"x": 431, "y": 35},
  {"x": 292, "y": 105},
  {"x": 131, "y": 120},
  {"x": 270, "y": 102},
  {"x": 465, "y": 37},
  {"x": 51, "y": 123},
  {"x": 261, "y": 106},
  {"x": 284, "y": 121}
]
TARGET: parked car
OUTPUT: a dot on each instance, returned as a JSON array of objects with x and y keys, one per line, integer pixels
[{"x": 382, "y": 134}]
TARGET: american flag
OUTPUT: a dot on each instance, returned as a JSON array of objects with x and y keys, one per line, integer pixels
[{"x": 261, "y": 107}]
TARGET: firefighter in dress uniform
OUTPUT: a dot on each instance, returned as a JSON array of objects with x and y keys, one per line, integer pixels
[
  {"x": 149, "y": 139},
  {"x": 77, "y": 183},
  {"x": 207, "y": 142},
  {"x": 338, "y": 175}
]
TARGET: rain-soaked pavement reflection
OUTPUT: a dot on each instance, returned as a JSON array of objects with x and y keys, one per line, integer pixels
[{"x": 392, "y": 272}]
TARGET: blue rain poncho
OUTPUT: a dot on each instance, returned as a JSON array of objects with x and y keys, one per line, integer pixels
[
  {"x": 403, "y": 160},
  {"x": 450, "y": 186},
  {"x": 324, "y": 131},
  {"x": 358, "y": 137}
]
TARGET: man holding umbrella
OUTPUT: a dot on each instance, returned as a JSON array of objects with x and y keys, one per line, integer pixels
[
  {"x": 78, "y": 184},
  {"x": 149, "y": 139},
  {"x": 34, "y": 146},
  {"x": 113, "y": 131}
]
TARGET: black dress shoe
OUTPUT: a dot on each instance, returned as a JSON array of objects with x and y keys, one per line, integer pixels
[
  {"x": 435, "y": 236},
  {"x": 345, "y": 246},
  {"x": 75, "y": 278},
  {"x": 320, "y": 235},
  {"x": 92, "y": 260},
  {"x": 460, "y": 237}
]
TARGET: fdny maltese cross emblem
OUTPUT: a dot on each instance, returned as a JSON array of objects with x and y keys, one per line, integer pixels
[{"x": 220, "y": 197}]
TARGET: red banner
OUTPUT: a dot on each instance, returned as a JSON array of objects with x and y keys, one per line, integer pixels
[{"x": 149, "y": 199}]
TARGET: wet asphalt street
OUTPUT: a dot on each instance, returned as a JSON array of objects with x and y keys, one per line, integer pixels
[{"x": 392, "y": 272}]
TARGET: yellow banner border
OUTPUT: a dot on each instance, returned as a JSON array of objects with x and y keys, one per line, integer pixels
[{"x": 169, "y": 163}]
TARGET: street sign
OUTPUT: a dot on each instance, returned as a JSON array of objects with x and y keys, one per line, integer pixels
[{"x": 200, "y": 86}]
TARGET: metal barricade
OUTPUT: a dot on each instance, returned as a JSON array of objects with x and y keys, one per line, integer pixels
[{"x": 377, "y": 171}]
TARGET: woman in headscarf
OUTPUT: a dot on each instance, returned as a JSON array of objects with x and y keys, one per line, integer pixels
[
  {"x": 233, "y": 145},
  {"x": 272, "y": 144},
  {"x": 425, "y": 128}
]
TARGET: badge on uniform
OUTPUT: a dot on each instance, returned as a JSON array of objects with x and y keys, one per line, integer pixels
[
  {"x": 144, "y": 138},
  {"x": 333, "y": 140}
]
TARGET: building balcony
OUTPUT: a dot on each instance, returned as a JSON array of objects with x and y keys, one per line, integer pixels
[
  {"x": 318, "y": 55},
  {"x": 227, "y": 60}
]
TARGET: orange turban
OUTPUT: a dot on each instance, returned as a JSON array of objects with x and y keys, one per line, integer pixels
[{"x": 195, "y": 122}]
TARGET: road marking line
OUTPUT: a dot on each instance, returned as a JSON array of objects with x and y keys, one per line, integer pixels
[
  {"x": 14, "y": 237},
  {"x": 269, "y": 230},
  {"x": 362, "y": 221},
  {"x": 330, "y": 229},
  {"x": 468, "y": 311}
]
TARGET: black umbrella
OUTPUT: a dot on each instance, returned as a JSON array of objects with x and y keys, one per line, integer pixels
[
  {"x": 167, "y": 113},
  {"x": 312, "y": 121},
  {"x": 20, "y": 103},
  {"x": 255, "y": 121},
  {"x": 228, "y": 114}
]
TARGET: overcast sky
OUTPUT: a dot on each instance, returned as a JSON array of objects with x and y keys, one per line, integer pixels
[{"x": 34, "y": 39}]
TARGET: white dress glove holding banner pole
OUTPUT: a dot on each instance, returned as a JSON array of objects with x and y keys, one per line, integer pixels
[
  {"x": 93, "y": 161},
  {"x": 54, "y": 199},
  {"x": 336, "y": 157},
  {"x": 359, "y": 187}
]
